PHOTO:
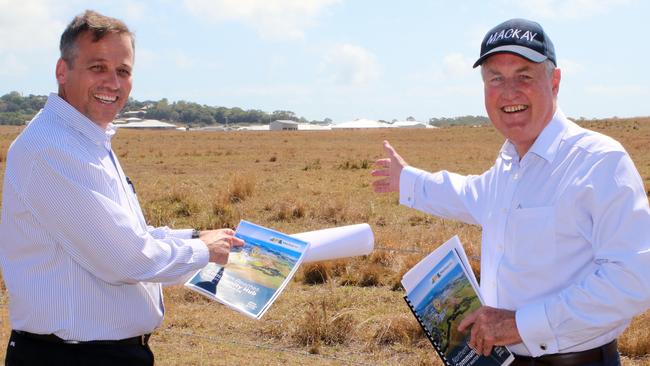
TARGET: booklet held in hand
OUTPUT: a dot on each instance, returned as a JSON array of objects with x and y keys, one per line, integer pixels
[
  {"x": 255, "y": 274},
  {"x": 441, "y": 290}
]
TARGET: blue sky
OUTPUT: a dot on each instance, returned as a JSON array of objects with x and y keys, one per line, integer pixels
[{"x": 342, "y": 59}]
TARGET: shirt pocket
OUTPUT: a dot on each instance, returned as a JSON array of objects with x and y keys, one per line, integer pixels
[{"x": 530, "y": 243}]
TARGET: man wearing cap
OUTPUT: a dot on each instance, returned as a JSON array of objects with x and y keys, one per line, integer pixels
[
  {"x": 82, "y": 268},
  {"x": 565, "y": 254}
]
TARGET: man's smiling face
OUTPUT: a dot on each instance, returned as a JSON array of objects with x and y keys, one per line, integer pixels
[
  {"x": 520, "y": 97},
  {"x": 98, "y": 81}
]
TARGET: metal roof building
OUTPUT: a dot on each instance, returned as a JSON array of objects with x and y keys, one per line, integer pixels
[
  {"x": 147, "y": 124},
  {"x": 283, "y": 125},
  {"x": 411, "y": 124},
  {"x": 360, "y": 123}
]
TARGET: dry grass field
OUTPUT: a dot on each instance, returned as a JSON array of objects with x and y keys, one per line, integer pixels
[{"x": 333, "y": 313}]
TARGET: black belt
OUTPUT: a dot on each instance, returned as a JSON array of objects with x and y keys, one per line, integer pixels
[
  {"x": 594, "y": 355},
  {"x": 142, "y": 340}
]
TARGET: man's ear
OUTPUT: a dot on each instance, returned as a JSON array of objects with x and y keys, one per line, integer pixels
[
  {"x": 61, "y": 71},
  {"x": 557, "y": 76}
]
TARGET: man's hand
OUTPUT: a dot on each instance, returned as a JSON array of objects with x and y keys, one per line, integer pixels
[
  {"x": 490, "y": 327},
  {"x": 219, "y": 243},
  {"x": 393, "y": 166}
]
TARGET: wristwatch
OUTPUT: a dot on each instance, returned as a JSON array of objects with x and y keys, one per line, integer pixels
[{"x": 196, "y": 233}]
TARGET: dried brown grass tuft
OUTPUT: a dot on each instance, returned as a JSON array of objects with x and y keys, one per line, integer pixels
[
  {"x": 365, "y": 273},
  {"x": 382, "y": 257},
  {"x": 316, "y": 273},
  {"x": 313, "y": 165},
  {"x": 194, "y": 297},
  {"x": 398, "y": 328},
  {"x": 171, "y": 205},
  {"x": 240, "y": 188},
  {"x": 223, "y": 215},
  {"x": 354, "y": 164},
  {"x": 287, "y": 210},
  {"x": 420, "y": 219},
  {"x": 323, "y": 322},
  {"x": 330, "y": 212},
  {"x": 371, "y": 275},
  {"x": 339, "y": 212}
]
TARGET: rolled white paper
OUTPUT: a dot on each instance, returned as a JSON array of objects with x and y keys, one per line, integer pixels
[{"x": 338, "y": 242}]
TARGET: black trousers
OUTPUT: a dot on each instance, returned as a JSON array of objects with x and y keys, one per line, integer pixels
[
  {"x": 611, "y": 361},
  {"x": 25, "y": 351}
]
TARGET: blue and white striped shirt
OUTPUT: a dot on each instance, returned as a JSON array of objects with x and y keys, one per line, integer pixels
[{"x": 77, "y": 257}]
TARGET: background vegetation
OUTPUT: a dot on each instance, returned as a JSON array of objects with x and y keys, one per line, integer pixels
[
  {"x": 338, "y": 312},
  {"x": 15, "y": 109}
]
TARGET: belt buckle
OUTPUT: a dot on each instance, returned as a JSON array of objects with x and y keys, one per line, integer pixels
[{"x": 144, "y": 339}]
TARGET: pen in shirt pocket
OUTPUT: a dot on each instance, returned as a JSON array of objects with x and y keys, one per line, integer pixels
[{"x": 128, "y": 180}]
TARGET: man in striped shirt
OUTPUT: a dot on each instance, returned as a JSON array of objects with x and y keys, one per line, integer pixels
[{"x": 82, "y": 267}]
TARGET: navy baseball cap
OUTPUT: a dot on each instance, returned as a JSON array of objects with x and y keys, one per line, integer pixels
[{"x": 520, "y": 37}]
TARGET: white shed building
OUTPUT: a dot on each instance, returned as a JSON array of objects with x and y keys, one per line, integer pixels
[
  {"x": 150, "y": 124},
  {"x": 360, "y": 123},
  {"x": 410, "y": 124},
  {"x": 283, "y": 125}
]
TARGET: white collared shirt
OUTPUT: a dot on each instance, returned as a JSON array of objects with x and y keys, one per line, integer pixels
[
  {"x": 565, "y": 235},
  {"x": 77, "y": 257}
]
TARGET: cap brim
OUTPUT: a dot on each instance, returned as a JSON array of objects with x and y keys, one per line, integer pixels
[{"x": 525, "y": 52}]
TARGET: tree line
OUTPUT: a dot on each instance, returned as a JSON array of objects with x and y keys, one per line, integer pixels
[
  {"x": 462, "y": 120},
  {"x": 16, "y": 109},
  {"x": 190, "y": 113}
]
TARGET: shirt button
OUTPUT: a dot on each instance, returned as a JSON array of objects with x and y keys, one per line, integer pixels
[
  {"x": 516, "y": 176},
  {"x": 542, "y": 346}
]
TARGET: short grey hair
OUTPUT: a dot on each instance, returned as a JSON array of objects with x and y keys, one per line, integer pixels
[
  {"x": 548, "y": 65},
  {"x": 97, "y": 24}
]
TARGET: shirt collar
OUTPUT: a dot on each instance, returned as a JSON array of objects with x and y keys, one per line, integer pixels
[
  {"x": 547, "y": 143},
  {"x": 72, "y": 118}
]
